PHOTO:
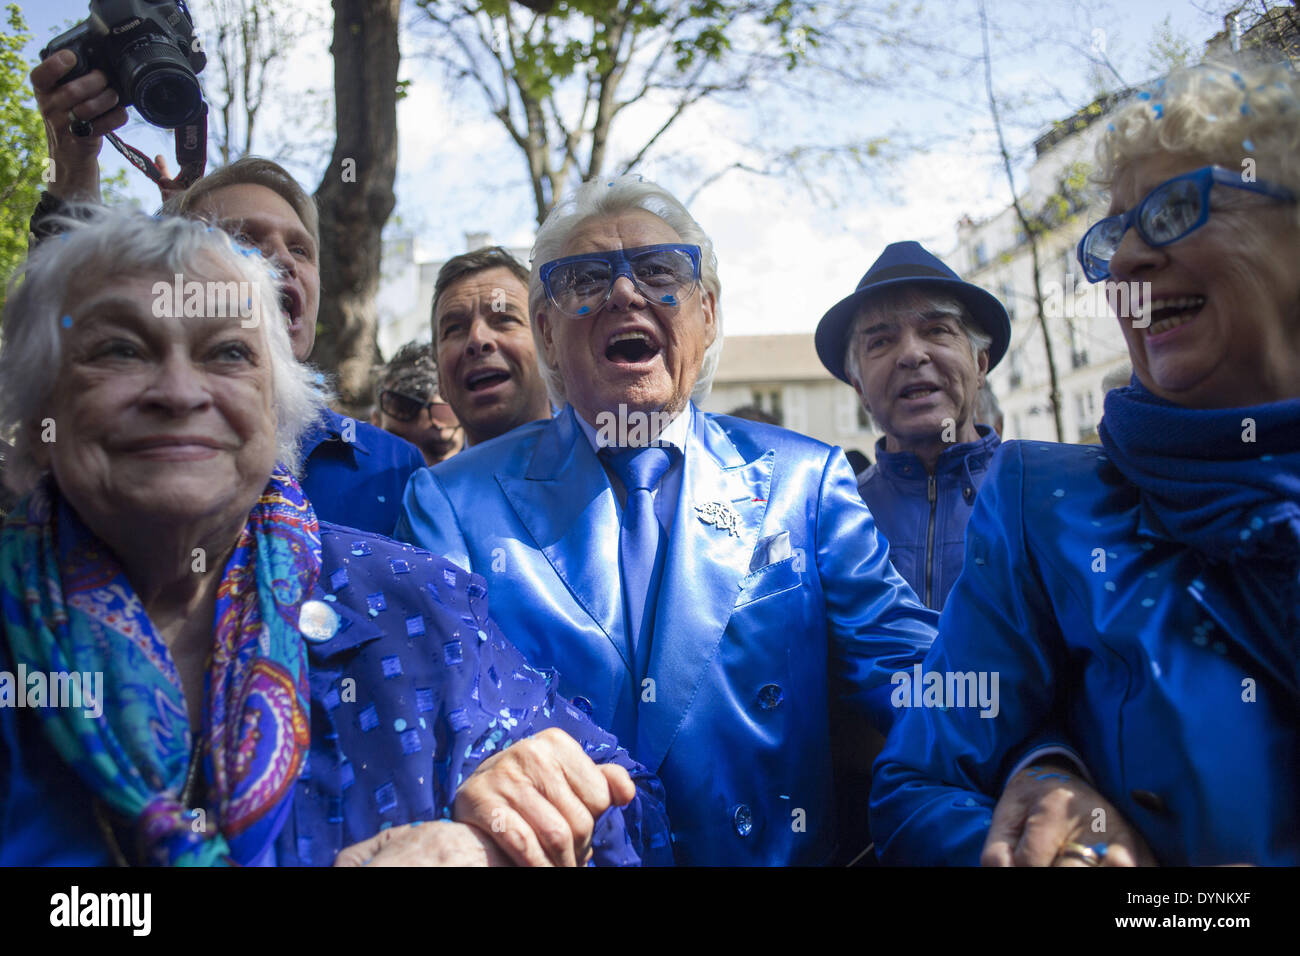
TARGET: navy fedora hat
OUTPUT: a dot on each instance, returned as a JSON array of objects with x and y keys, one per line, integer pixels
[{"x": 908, "y": 263}]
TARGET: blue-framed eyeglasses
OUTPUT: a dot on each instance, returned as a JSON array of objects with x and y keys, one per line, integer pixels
[
  {"x": 666, "y": 274},
  {"x": 1172, "y": 211}
]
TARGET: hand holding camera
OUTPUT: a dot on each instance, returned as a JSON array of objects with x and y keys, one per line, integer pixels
[
  {"x": 86, "y": 98},
  {"x": 141, "y": 53}
]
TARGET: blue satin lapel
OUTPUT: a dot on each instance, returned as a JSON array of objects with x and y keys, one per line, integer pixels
[
  {"x": 701, "y": 579},
  {"x": 567, "y": 505}
]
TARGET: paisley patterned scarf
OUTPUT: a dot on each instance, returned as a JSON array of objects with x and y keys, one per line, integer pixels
[{"x": 68, "y": 607}]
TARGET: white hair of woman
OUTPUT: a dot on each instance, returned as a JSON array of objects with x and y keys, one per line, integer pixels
[
  {"x": 96, "y": 244},
  {"x": 599, "y": 198}
]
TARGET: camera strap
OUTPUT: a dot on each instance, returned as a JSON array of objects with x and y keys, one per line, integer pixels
[{"x": 191, "y": 155}]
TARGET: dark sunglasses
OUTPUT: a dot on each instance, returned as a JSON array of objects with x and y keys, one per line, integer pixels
[{"x": 403, "y": 407}]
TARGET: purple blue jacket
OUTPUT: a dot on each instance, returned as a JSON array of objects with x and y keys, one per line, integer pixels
[{"x": 415, "y": 688}]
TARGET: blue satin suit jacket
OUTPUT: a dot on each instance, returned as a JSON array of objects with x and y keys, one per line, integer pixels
[{"x": 754, "y": 631}]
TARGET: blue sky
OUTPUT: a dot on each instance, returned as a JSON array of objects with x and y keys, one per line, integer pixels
[{"x": 784, "y": 257}]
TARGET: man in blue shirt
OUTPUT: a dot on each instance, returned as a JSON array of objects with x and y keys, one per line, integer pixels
[{"x": 353, "y": 472}]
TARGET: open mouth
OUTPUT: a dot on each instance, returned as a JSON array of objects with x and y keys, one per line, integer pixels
[
  {"x": 1167, "y": 314},
  {"x": 631, "y": 348},
  {"x": 485, "y": 379},
  {"x": 917, "y": 392},
  {"x": 290, "y": 303}
]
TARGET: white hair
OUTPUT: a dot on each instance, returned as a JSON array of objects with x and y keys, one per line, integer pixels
[
  {"x": 95, "y": 245},
  {"x": 908, "y": 300},
  {"x": 602, "y": 197}
]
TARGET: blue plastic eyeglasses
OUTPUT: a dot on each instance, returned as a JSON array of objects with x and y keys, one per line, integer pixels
[
  {"x": 580, "y": 285},
  {"x": 1172, "y": 211}
]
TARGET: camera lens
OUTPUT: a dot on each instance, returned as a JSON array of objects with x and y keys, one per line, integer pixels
[{"x": 157, "y": 79}]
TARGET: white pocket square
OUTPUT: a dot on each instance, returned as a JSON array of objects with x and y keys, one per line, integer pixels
[{"x": 770, "y": 550}]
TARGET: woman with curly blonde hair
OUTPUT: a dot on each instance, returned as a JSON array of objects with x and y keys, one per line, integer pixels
[{"x": 1144, "y": 596}]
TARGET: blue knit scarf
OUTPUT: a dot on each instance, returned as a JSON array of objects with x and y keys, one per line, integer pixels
[{"x": 1224, "y": 481}]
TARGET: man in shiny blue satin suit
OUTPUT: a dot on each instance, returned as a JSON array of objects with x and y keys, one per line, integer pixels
[{"x": 769, "y": 590}]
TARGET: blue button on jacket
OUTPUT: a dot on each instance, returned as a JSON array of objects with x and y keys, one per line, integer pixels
[
  {"x": 1170, "y": 675},
  {"x": 923, "y": 516},
  {"x": 354, "y": 473},
  {"x": 413, "y": 691},
  {"x": 777, "y": 595}
]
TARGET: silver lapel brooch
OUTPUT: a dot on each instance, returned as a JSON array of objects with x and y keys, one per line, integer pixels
[{"x": 721, "y": 515}]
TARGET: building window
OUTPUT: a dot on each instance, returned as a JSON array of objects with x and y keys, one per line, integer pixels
[
  {"x": 1085, "y": 407},
  {"x": 981, "y": 253},
  {"x": 769, "y": 400},
  {"x": 1085, "y": 416},
  {"x": 1007, "y": 294},
  {"x": 1016, "y": 374},
  {"x": 864, "y": 420},
  {"x": 1078, "y": 347}
]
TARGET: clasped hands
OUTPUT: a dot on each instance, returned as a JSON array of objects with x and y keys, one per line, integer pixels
[
  {"x": 534, "y": 804},
  {"x": 1045, "y": 809}
]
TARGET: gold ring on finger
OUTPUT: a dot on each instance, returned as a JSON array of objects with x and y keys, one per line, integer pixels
[{"x": 1087, "y": 855}]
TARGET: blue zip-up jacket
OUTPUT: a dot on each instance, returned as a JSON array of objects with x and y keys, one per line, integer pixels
[{"x": 922, "y": 516}]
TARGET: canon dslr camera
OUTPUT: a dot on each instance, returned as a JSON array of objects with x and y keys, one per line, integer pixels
[{"x": 149, "y": 52}]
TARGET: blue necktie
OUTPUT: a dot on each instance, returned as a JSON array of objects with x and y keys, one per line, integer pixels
[{"x": 642, "y": 543}]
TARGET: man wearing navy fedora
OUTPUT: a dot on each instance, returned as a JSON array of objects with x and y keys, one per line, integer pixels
[{"x": 916, "y": 342}]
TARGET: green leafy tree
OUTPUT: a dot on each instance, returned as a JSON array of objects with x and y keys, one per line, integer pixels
[
  {"x": 562, "y": 75},
  {"x": 23, "y": 156}
]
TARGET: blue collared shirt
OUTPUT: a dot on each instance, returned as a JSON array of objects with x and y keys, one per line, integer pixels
[{"x": 354, "y": 473}]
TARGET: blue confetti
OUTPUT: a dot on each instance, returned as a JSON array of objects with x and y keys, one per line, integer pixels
[
  {"x": 584, "y": 310},
  {"x": 67, "y": 321},
  {"x": 368, "y": 719},
  {"x": 1248, "y": 145}
]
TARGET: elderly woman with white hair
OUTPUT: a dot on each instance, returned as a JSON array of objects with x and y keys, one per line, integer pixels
[
  {"x": 206, "y": 673},
  {"x": 704, "y": 584},
  {"x": 1144, "y": 596}
]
